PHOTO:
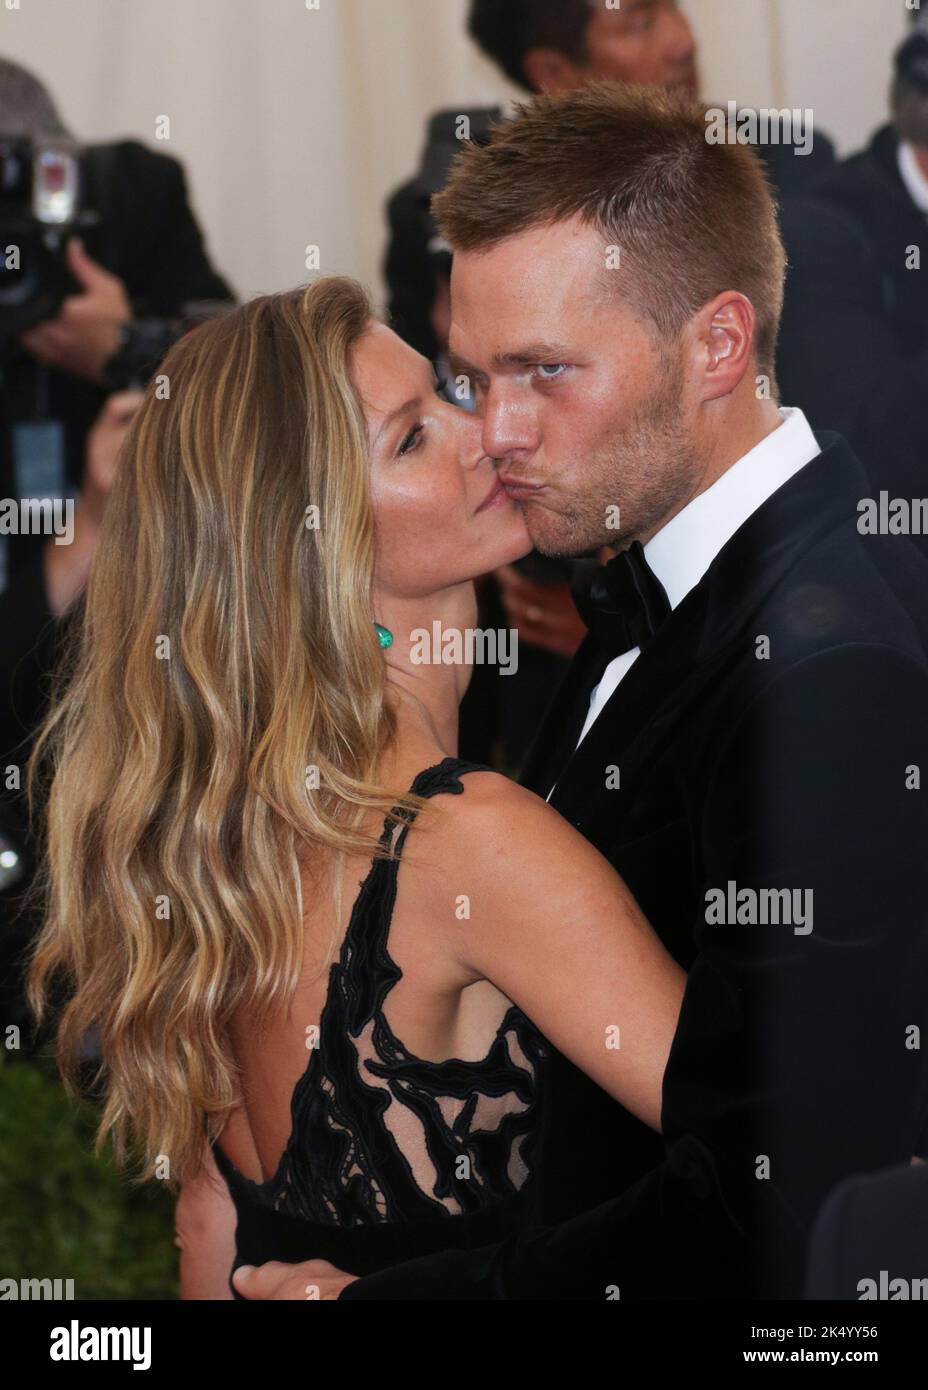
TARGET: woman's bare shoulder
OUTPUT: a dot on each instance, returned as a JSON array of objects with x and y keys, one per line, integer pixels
[{"x": 496, "y": 821}]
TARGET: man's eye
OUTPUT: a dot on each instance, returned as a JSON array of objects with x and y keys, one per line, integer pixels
[
  {"x": 551, "y": 371},
  {"x": 410, "y": 443}
]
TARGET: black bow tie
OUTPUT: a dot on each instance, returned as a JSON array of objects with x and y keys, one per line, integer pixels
[{"x": 625, "y": 602}]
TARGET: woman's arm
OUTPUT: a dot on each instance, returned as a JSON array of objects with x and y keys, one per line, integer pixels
[
  {"x": 554, "y": 927},
  {"x": 204, "y": 1225}
]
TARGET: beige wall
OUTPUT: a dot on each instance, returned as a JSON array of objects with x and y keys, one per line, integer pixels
[{"x": 294, "y": 123}]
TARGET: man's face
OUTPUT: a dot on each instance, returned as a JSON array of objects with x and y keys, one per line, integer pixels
[
  {"x": 585, "y": 410},
  {"x": 645, "y": 42}
]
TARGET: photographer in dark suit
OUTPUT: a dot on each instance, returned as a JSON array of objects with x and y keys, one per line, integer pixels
[
  {"x": 116, "y": 295},
  {"x": 854, "y": 339}
]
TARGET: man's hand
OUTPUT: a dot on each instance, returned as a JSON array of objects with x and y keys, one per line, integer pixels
[
  {"x": 85, "y": 333},
  {"x": 313, "y": 1279},
  {"x": 545, "y": 614}
]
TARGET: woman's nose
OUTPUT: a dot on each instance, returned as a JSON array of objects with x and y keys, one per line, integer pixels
[{"x": 470, "y": 442}]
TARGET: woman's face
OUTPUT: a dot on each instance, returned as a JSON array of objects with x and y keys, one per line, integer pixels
[{"x": 440, "y": 514}]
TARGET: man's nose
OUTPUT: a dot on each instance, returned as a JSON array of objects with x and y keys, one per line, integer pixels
[{"x": 508, "y": 428}]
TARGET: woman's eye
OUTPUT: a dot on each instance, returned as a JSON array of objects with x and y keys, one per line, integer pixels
[
  {"x": 551, "y": 371},
  {"x": 441, "y": 386},
  {"x": 411, "y": 441}
]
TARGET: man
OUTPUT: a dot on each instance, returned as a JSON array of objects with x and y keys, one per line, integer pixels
[
  {"x": 855, "y": 330},
  {"x": 545, "y": 47},
  {"x": 742, "y": 733}
]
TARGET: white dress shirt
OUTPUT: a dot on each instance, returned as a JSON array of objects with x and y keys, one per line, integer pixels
[
  {"x": 912, "y": 175},
  {"x": 681, "y": 552}
]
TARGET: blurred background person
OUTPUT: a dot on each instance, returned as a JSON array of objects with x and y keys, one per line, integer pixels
[
  {"x": 854, "y": 341},
  {"x": 81, "y": 316}
]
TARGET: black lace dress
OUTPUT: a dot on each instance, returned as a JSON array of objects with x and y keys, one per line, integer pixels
[{"x": 389, "y": 1156}]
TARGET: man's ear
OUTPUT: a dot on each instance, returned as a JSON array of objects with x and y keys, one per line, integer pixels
[
  {"x": 548, "y": 71},
  {"x": 725, "y": 337}
]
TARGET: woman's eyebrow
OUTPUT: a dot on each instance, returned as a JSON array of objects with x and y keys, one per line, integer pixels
[
  {"x": 459, "y": 366},
  {"x": 394, "y": 415}
]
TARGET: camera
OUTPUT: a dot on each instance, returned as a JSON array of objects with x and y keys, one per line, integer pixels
[{"x": 40, "y": 208}]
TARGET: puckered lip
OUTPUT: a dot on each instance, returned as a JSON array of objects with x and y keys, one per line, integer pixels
[{"x": 519, "y": 484}]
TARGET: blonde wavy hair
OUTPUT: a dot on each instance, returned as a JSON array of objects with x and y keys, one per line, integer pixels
[{"x": 223, "y": 648}]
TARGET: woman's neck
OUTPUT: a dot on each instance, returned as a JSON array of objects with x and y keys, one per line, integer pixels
[{"x": 428, "y": 670}]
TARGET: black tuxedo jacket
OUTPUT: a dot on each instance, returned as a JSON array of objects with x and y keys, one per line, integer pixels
[
  {"x": 772, "y": 735},
  {"x": 853, "y": 347}
]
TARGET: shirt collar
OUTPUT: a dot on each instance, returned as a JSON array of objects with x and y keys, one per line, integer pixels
[
  {"x": 681, "y": 552},
  {"x": 912, "y": 175}
]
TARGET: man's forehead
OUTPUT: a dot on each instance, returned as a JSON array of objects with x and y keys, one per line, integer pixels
[
  {"x": 570, "y": 249},
  {"x": 511, "y": 343},
  {"x": 525, "y": 292}
]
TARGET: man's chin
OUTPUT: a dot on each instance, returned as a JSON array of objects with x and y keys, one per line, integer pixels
[{"x": 561, "y": 547}]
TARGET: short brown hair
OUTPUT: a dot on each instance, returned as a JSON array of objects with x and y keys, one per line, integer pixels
[{"x": 691, "y": 218}]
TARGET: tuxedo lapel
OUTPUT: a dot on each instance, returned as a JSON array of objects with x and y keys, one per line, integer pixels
[
  {"x": 651, "y": 690},
  {"x": 560, "y": 729}
]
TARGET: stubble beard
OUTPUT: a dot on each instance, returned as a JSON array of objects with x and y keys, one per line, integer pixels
[{"x": 645, "y": 476}]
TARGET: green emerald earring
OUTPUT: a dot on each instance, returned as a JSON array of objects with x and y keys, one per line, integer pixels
[{"x": 384, "y": 635}]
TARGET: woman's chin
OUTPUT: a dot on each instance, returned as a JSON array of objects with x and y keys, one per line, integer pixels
[
  {"x": 503, "y": 542},
  {"x": 515, "y": 538}
]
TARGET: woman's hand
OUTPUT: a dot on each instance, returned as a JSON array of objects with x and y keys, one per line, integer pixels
[{"x": 313, "y": 1279}]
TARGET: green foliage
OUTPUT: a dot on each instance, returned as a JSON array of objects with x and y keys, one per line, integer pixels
[{"x": 65, "y": 1213}]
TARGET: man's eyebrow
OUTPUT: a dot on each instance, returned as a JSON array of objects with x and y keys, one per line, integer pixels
[
  {"x": 524, "y": 356},
  {"x": 530, "y": 353}
]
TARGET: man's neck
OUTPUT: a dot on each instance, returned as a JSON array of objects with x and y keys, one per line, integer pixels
[{"x": 728, "y": 437}]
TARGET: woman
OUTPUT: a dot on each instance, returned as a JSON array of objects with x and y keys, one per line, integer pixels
[{"x": 246, "y": 740}]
